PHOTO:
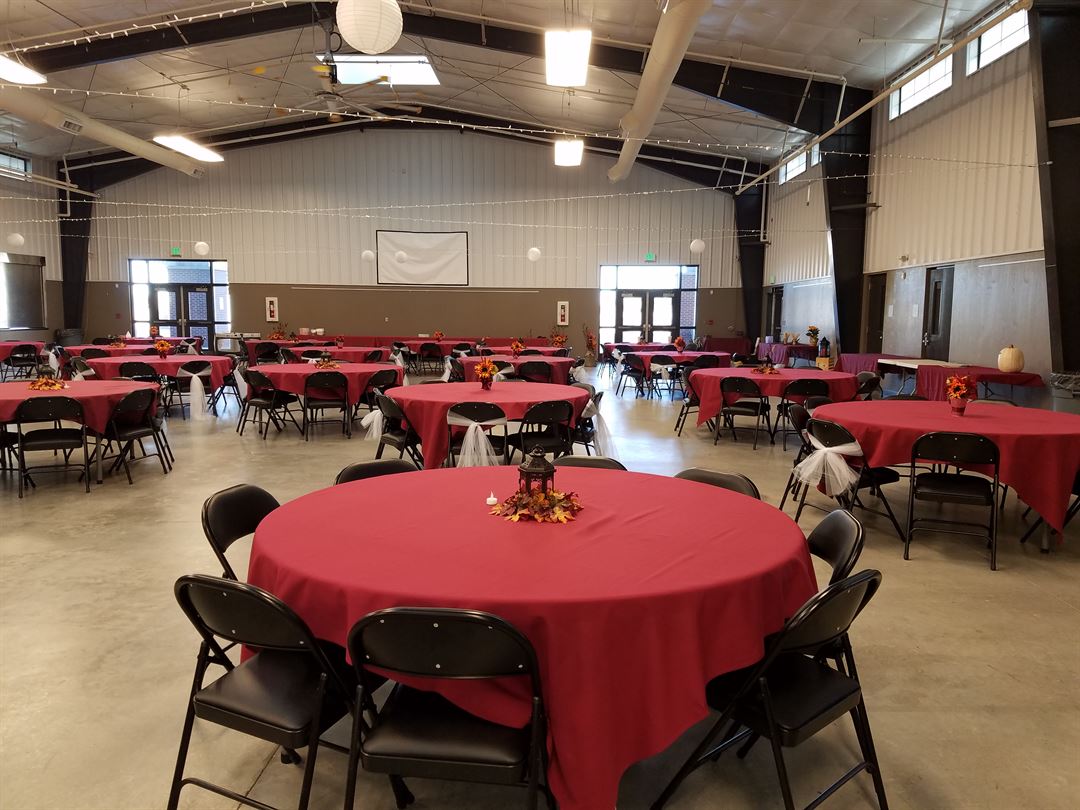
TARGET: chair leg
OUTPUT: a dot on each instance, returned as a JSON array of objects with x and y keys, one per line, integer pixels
[
  {"x": 910, "y": 517},
  {"x": 866, "y": 741},
  {"x": 689, "y": 766},
  {"x": 778, "y": 754},
  {"x": 892, "y": 517}
]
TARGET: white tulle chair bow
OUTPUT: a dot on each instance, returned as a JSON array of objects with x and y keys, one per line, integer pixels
[
  {"x": 447, "y": 370},
  {"x": 399, "y": 361},
  {"x": 476, "y": 449},
  {"x": 830, "y": 464},
  {"x": 196, "y": 393},
  {"x": 602, "y": 438},
  {"x": 373, "y": 424}
]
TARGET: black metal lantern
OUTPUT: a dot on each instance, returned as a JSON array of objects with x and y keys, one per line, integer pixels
[
  {"x": 536, "y": 473},
  {"x": 325, "y": 356}
]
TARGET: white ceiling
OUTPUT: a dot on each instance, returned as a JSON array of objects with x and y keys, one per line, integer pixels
[{"x": 247, "y": 82}]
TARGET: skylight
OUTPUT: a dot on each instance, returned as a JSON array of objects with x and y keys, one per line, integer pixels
[{"x": 355, "y": 68}]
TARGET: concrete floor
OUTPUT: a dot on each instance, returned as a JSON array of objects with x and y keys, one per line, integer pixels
[{"x": 970, "y": 676}]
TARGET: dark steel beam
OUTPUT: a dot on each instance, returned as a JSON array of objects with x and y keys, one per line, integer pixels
[{"x": 1055, "y": 64}]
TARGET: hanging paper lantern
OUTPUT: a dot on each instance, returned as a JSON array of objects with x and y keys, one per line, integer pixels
[
  {"x": 370, "y": 26},
  {"x": 697, "y": 246},
  {"x": 202, "y": 249},
  {"x": 401, "y": 256},
  {"x": 368, "y": 256},
  {"x": 533, "y": 254},
  {"x": 16, "y": 240}
]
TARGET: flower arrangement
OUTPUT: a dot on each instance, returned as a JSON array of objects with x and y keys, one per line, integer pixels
[
  {"x": 438, "y": 335},
  {"x": 812, "y": 332},
  {"x": 278, "y": 334},
  {"x": 118, "y": 344},
  {"x": 679, "y": 343},
  {"x": 959, "y": 387},
  {"x": 485, "y": 372},
  {"x": 543, "y": 507},
  {"x": 517, "y": 346},
  {"x": 590, "y": 340},
  {"x": 339, "y": 341},
  {"x": 327, "y": 365},
  {"x": 48, "y": 383},
  {"x": 162, "y": 347},
  {"x": 558, "y": 339},
  {"x": 766, "y": 369}
]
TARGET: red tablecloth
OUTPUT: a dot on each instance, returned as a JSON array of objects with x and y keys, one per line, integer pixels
[
  {"x": 560, "y": 366},
  {"x": 446, "y": 347},
  {"x": 7, "y": 345},
  {"x": 706, "y": 382},
  {"x": 930, "y": 380},
  {"x": 637, "y": 347},
  {"x": 680, "y": 357},
  {"x": 127, "y": 351},
  {"x": 146, "y": 341},
  {"x": 108, "y": 368},
  {"x": 98, "y": 398},
  {"x": 291, "y": 377},
  {"x": 855, "y": 362},
  {"x": 547, "y": 351},
  {"x": 1040, "y": 450},
  {"x": 632, "y": 608},
  {"x": 346, "y": 354},
  {"x": 782, "y": 352},
  {"x": 742, "y": 345},
  {"x": 294, "y": 345},
  {"x": 426, "y": 406}
]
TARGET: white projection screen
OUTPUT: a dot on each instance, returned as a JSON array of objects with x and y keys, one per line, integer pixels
[{"x": 432, "y": 259}]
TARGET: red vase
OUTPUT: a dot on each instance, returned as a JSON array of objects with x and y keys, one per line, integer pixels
[
  {"x": 958, "y": 405},
  {"x": 485, "y": 384}
]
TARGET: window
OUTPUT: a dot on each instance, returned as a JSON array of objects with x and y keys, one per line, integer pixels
[
  {"x": 797, "y": 165},
  {"x": 1007, "y": 35},
  {"x": 14, "y": 166},
  {"x": 923, "y": 87}
]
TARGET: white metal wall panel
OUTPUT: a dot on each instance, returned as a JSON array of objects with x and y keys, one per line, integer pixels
[
  {"x": 798, "y": 240},
  {"x": 31, "y": 210},
  {"x": 938, "y": 172},
  {"x": 317, "y": 203}
]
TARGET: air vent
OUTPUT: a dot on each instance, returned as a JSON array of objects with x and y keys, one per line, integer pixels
[{"x": 70, "y": 125}]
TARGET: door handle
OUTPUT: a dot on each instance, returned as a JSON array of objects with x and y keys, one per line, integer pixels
[{"x": 926, "y": 339}]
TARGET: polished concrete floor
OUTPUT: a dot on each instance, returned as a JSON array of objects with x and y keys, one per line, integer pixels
[{"x": 971, "y": 676}]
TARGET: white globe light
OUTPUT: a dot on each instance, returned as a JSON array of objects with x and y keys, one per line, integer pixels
[
  {"x": 202, "y": 249},
  {"x": 370, "y": 26},
  {"x": 533, "y": 254},
  {"x": 368, "y": 256},
  {"x": 401, "y": 256},
  {"x": 697, "y": 246},
  {"x": 16, "y": 239}
]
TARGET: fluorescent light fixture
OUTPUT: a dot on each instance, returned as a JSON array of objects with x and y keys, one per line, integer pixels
[
  {"x": 18, "y": 73},
  {"x": 566, "y": 57},
  {"x": 186, "y": 146},
  {"x": 354, "y": 68},
  {"x": 568, "y": 151}
]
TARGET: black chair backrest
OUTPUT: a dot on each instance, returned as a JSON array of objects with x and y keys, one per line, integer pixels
[
  {"x": 535, "y": 369},
  {"x": 585, "y": 387},
  {"x": 838, "y": 540},
  {"x": 457, "y": 370},
  {"x": 311, "y": 354},
  {"x": 195, "y": 367},
  {"x": 148, "y": 352},
  {"x": 374, "y": 356},
  {"x": 662, "y": 360},
  {"x": 443, "y": 643},
  {"x": 137, "y": 368},
  {"x": 289, "y": 356},
  {"x": 101, "y": 341},
  {"x": 669, "y": 347},
  {"x": 634, "y": 362},
  {"x": 93, "y": 354},
  {"x": 233, "y": 513},
  {"x": 461, "y": 347},
  {"x": 622, "y": 347},
  {"x": 829, "y": 433},
  {"x": 826, "y": 617},
  {"x": 266, "y": 349},
  {"x": 739, "y": 385},
  {"x": 328, "y": 380},
  {"x": 373, "y": 469},
  {"x": 904, "y": 397},
  {"x": 397, "y": 344},
  {"x": 478, "y": 411},
  {"x": 531, "y": 351},
  {"x": 705, "y": 361},
  {"x": 49, "y": 409},
  {"x": 806, "y": 388},
  {"x": 552, "y": 412},
  {"x": 80, "y": 365},
  {"x": 137, "y": 402},
  {"x": 256, "y": 379},
  {"x": 736, "y": 482},
  {"x": 864, "y": 376},
  {"x": 565, "y": 352},
  {"x": 816, "y": 402},
  {"x": 961, "y": 449},
  {"x": 799, "y": 416},
  {"x": 383, "y": 378},
  {"x": 24, "y": 351},
  {"x": 430, "y": 349},
  {"x": 241, "y": 613},
  {"x": 485, "y": 351},
  {"x": 390, "y": 409},
  {"x": 594, "y": 462}
]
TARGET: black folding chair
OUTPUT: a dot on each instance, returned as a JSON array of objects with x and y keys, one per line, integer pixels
[
  {"x": 288, "y": 693},
  {"x": 397, "y": 432},
  {"x": 265, "y": 400},
  {"x": 793, "y": 392},
  {"x": 326, "y": 390},
  {"x": 56, "y": 438},
  {"x": 232, "y": 513},
  {"x": 486, "y": 414},
  {"x": 740, "y": 396},
  {"x": 22, "y": 362},
  {"x": 420, "y": 733},
  {"x": 791, "y": 695},
  {"x": 363, "y": 470},
  {"x": 537, "y": 371},
  {"x": 546, "y": 425},
  {"x": 594, "y": 462},
  {"x": 376, "y": 383},
  {"x": 131, "y": 421},
  {"x": 736, "y": 482}
]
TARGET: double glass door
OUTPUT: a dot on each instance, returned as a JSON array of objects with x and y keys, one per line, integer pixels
[
  {"x": 183, "y": 310},
  {"x": 647, "y": 314}
]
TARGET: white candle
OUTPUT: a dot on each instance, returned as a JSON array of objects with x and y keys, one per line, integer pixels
[{"x": 492, "y": 500}]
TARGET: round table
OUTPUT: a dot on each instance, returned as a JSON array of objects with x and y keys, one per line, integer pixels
[
  {"x": 147, "y": 341},
  {"x": 111, "y": 351},
  {"x": 560, "y": 366},
  {"x": 345, "y": 354},
  {"x": 706, "y": 381},
  {"x": 426, "y": 406},
  {"x": 98, "y": 398},
  {"x": 108, "y": 368},
  {"x": 6, "y": 347},
  {"x": 312, "y": 341},
  {"x": 545, "y": 351},
  {"x": 632, "y": 608},
  {"x": 1039, "y": 450},
  {"x": 291, "y": 377},
  {"x": 446, "y": 347}
]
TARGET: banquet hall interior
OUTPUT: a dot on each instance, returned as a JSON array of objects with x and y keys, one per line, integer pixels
[{"x": 539, "y": 403}]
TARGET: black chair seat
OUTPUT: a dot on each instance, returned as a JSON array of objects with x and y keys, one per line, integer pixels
[
  {"x": 879, "y": 476},
  {"x": 269, "y": 696},
  {"x": 53, "y": 439},
  {"x": 526, "y": 442},
  {"x": 806, "y": 695},
  {"x": 954, "y": 488},
  {"x": 439, "y": 738},
  {"x": 747, "y": 407}
]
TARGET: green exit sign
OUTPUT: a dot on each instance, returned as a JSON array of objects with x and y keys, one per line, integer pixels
[
  {"x": 650, "y": 256},
  {"x": 174, "y": 251}
]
